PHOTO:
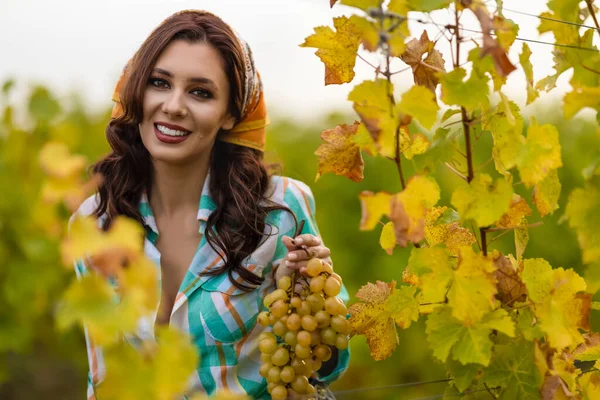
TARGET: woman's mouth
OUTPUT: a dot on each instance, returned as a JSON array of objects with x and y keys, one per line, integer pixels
[{"x": 168, "y": 135}]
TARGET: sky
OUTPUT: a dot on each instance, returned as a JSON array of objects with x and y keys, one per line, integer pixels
[{"x": 82, "y": 45}]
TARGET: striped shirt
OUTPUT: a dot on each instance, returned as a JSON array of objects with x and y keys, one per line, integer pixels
[{"x": 221, "y": 319}]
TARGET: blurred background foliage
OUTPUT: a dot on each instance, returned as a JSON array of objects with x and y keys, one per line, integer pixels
[{"x": 36, "y": 362}]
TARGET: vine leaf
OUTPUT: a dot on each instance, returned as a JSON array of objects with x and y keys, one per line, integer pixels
[
  {"x": 419, "y": 145},
  {"x": 481, "y": 200},
  {"x": 441, "y": 229},
  {"x": 419, "y": 102},
  {"x": 473, "y": 290},
  {"x": 468, "y": 343},
  {"x": 541, "y": 153},
  {"x": 546, "y": 193},
  {"x": 409, "y": 207},
  {"x": 428, "y": 269},
  {"x": 373, "y": 206},
  {"x": 514, "y": 369},
  {"x": 383, "y": 306},
  {"x": 57, "y": 162},
  {"x": 387, "y": 240},
  {"x": 336, "y": 49},
  {"x": 339, "y": 154},
  {"x": 558, "y": 302},
  {"x": 472, "y": 93},
  {"x": 364, "y": 140},
  {"x": 582, "y": 211},
  {"x": 413, "y": 56},
  {"x": 517, "y": 210},
  {"x": 525, "y": 60},
  {"x": 511, "y": 288}
]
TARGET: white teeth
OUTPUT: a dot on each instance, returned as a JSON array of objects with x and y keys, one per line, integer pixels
[{"x": 169, "y": 131}]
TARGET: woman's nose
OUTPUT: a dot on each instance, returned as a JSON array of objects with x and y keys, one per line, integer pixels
[{"x": 174, "y": 105}]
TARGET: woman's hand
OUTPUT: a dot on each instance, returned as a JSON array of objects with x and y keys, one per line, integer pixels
[{"x": 297, "y": 258}]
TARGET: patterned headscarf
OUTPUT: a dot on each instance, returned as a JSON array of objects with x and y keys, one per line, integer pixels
[{"x": 250, "y": 130}]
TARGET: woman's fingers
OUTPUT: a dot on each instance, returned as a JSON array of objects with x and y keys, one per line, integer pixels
[{"x": 310, "y": 252}]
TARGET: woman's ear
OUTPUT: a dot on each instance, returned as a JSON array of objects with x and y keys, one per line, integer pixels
[{"x": 229, "y": 123}]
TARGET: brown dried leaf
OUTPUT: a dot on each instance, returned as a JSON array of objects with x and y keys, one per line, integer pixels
[
  {"x": 339, "y": 154},
  {"x": 413, "y": 56},
  {"x": 510, "y": 286}
]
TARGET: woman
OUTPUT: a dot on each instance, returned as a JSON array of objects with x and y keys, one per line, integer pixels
[{"x": 188, "y": 134}]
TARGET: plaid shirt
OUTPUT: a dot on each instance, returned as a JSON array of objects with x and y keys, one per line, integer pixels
[{"x": 221, "y": 319}]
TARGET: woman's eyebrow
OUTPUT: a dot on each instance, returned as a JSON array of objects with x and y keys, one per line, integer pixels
[{"x": 198, "y": 80}]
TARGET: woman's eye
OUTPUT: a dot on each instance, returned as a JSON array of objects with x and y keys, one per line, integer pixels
[
  {"x": 202, "y": 93},
  {"x": 157, "y": 82}
]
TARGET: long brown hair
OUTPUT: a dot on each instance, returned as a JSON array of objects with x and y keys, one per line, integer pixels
[{"x": 239, "y": 178}]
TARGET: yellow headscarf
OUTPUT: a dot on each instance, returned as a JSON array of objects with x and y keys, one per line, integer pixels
[{"x": 250, "y": 130}]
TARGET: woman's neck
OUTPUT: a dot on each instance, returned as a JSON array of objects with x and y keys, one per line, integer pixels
[{"x": 176, "y": 189}]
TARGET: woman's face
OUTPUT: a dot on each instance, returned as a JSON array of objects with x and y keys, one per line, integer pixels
[{"x": 185, "y": 103}]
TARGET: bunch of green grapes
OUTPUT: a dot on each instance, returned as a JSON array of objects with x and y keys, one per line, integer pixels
[{"x": 306, "y": 322}]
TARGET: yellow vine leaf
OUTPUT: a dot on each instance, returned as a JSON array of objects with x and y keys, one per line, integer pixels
[
  {"x": 440, "y": 228},
  {"x": 559, "y": 303},
  {"x": 472, "y": 93},
  {"x": 546, "y": 193},
  {"x": 506, "y": 125},
  {"x": 57, "y": 161},
  {"x": 506, "y": 31},
  {"x": 410, "y": 206},
  {"x": 429, "y": 269},
  {"x": 419, "y": 145},
  {"x": 525, "y": 59},
  {"x": 383, "y": 306},
  {"x": 425, "y": 71},
  {"x": 473, "y": 290},
  {"x": 541, "y": 153},
  {"x": 362, "y": 4},
  {"x": 521, "y": 239},
  {"x": 157, "y": 372},
  {"x": 467, "y": 343},
  {"x": 373, "y": 206},
  {"x": 364, "y": 141},
  {"x": 387, "y": 239},
  {"x": 372, "y": 103},
  {"x": 518, "y": 209},
  {"x": 580, "y": 98},
  {"x": 336, "y": 49},
  {"x": 108, "y": 250},
  {"x": 484, "y": 64},
  {"x": 396, "y": 34},
  {"x": 582, "y": 212},
  {"x": 482, "y": 200},
  {"x": 589, "y": 385},
  {"x": 339, "y": 154},
  {"x": 419, "y": 102},
  {"x": 403, "y": 6}
]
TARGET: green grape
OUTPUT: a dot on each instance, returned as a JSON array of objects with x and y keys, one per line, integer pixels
[
  {"x": 268, "y": 300},
  {"x": 271, "y": 386},
  {"x": 322, "y": 352},
  {"x": 300, "y": 383},
  {"x": 263, "y": 370},
  {"x": 329, "y": 336},
  {"x": 332, "y": 287},
  {"x": 316, "y": 302},
  {"x": 310, "y": 389},
  {"x": 290, "y": 338},
  {"x": 279, "y": 294},
  {"x": 267, "y": 335},
  {"x": 314, "y": 267},
  {"x": 304, "y": 338},
  {"x": 316, "y": 364},
  {"x": 296, "y": 302},
  {"x": 323, "y": 318},
  {"x": 339, "y": 324},
  {"x": 265, "y": 358},
  {"x": 279, "y": 392},
  {"x": 284, "y": 283},
  {"x": 294, "y": 322},
  {"x": 335, "y": 306},
  {"x": 279, "y": 308},
  {"x": 281, "y": 357},
  {"x": 317, "y": 283},
  {"x": 341, "y": 341},
  {"x": 298, "y": 365},
  {"x": 302, "y": 351},
  {"x": 272, "y": 319},
  {"x": 267, "y": 345},
  {"x": 279, "y": 328},
  {"x": 309, "y": 323},
  {"x": 315, "y": 337},
  {"x": 304, "y": 309},
  {"x": 274, "y": 374},
  {"x": 327, "y": 269},
  {"x": 263, "y": 318},
  {"x": 287, "y": 374}
]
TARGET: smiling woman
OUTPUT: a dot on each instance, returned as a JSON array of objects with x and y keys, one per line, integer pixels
[{"x": 187, "y": 138}]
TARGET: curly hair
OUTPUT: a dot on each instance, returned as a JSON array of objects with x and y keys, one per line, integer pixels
[{"x": 239, "y": 178}]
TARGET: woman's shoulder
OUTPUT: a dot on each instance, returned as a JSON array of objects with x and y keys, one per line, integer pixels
[
  {"x": 291, "y": 192},
  {"x": 87, "y": 207}
]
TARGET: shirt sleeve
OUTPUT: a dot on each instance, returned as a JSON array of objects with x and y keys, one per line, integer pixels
[
  {"x": 96, "y": 371},
  {"x": 299, "y": 198}
]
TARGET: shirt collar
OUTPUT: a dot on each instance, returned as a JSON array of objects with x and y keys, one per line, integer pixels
[{"x": 205, "y": 208}]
